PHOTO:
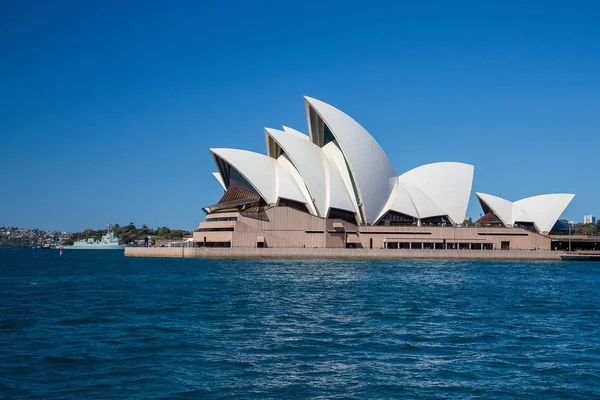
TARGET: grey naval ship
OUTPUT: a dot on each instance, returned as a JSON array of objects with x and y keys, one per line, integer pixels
[{"x": 108, "y": 242}]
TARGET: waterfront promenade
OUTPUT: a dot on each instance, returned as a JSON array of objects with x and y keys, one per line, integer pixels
[{"x": 245, "y": 252}]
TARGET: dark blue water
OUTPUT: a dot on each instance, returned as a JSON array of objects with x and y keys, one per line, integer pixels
[{"x": 99, "y": 325}]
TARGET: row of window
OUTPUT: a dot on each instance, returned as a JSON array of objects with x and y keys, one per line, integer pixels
[
  {"x": 228, "y": 229},
  {"x": 213, "y": 244},
  {"x": 219, "y": 219},
  {"x": 439, "y": 246}
]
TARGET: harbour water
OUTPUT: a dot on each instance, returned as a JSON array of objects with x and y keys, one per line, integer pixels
[{"x": 100, "y": 325}]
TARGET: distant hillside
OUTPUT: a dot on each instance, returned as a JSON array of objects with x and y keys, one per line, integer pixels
[
  {"x": 14, "y": 237},
  {"x": 130, "y": 233}
]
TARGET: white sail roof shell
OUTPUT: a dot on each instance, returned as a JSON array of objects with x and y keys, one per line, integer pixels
[
  {"x": 287, "y": 165},
  {"x": 501, "y": 207},
  {"x": 424, "y": 205},
  {"x": 519, "y": 215},
  {"x": 297, "y": 133},
  {"x": 322, "y": 179},
  {"x": 342, "y": 182},
  {"x": 373, "y": 172},
  {"x": 447, "y": 184},
  {"x": 400, "y": 201},
  {"x": 352, "y": 172},
  {"x": 270, "y": 179},
  {"x": 543, "y": 210},
  {"x": 219, "y": 179},
  {"x": 433, "y": 190}
]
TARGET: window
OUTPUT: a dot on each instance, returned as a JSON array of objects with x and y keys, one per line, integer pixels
[
  {"x": 219, "y": 219},
  {"x": 327, "y": 135},
  {"x": 505, "y": 245},
  {"x": 214, "y": 244},
  {"x": 441, "y": 220},
  {"x": 502, "y": 234},
  {"x": 528, "y": 226},
  {"x": 236, "y": 179},
  {"x": 392, "y": 218},
  {"x": 293, "y": 204},
  {"x": 336, "y": 213},
  {"x": 229, "y": 229}
]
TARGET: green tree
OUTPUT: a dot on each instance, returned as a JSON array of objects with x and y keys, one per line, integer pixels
[
  {"x": 586, "y": 229},
  {"x": 129, "y": 233}
]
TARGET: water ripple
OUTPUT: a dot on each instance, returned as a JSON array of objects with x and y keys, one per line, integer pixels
[{"x": 104, "y": 326}]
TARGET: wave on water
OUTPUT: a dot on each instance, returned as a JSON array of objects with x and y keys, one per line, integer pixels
[{"x": 110, "y": 327}]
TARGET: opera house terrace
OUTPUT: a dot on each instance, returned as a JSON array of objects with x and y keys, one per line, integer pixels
[{"x": 336, "y": 188}]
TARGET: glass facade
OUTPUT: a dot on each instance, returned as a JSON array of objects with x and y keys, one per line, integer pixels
[
  {"x": 219, "y": 219},
  {"x": 229, "y": 229},
  {"x": 237, "y": 180},
  {"x": 327, "y": 135}
]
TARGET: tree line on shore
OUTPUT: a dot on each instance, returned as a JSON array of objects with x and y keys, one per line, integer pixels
[
  {"x": 585, "y": 229},
  {"x": 130, "y": 233}
]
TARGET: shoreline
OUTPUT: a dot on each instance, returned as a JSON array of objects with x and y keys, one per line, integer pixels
[{"x": 340, "y": 253}]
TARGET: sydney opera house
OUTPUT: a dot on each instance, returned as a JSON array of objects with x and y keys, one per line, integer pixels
[{"x": 336, "y": 187}]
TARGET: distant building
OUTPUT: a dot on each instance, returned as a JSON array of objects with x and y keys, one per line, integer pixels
[{"x": 589, "y": 219}]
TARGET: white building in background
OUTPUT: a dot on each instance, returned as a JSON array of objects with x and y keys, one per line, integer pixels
[
  {"x": 589, "y": 219},
  {"x": 336, "y": 187}
]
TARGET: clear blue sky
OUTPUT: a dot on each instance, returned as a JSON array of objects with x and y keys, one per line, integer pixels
[{"x": 107, "y": 109}]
